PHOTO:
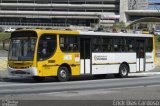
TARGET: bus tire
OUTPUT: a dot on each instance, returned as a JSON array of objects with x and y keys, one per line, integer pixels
[
  {"x": 63, "y": 74},
  {"x": 38, "y": 79},
  {"x": 123, "y": 71}
]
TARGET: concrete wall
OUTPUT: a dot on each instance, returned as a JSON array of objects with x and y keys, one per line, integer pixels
[
  {"x": 123, "y": 8},
  {"x": 138, "y": 11},
  {"x": 72, "y": 9}
]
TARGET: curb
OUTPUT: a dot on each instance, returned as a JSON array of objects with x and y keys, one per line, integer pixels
[{"x": 144, "y": 74}]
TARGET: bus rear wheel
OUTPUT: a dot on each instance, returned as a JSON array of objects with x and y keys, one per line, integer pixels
[
  {"x": 63, "y": 74},
  {"x": 38, "y": 79},
  {"x": 123, "y": 71}
]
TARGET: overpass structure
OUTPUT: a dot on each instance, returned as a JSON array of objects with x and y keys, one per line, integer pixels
[
  {"x": 132, "y": 10},
  {"x": 56, "y": 13}
]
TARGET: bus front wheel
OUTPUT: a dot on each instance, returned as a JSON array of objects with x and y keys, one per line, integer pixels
[
  {"x": 123, "y": 71},
  {"x": 63, "y": 74}
]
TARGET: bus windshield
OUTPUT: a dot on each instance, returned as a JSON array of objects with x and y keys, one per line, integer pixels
[{"x": 22, "y": 48}]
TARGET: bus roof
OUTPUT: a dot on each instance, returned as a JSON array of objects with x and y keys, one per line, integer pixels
[
  {"x": 89, "y": 33},
  {"x": 116, "y": 34},
  {"x": 56, "y": 31}
]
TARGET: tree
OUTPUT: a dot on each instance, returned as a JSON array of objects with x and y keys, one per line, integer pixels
[{"x": 119, "y": 25}]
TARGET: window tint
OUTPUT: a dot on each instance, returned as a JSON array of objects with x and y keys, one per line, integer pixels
[
  {"x": 46, "y": 46},
  {"x": 106, "y": 44},
  {"x": 113, "y": 44},
  {"x": 96, "y": 42},
  {"x": 129, "y": 44},
  {"x": 140, "y": 48},
  {"x": 117, "y": 44},
  {"x": 69, "y": 43},
  {"x": 149, "y": 45}
]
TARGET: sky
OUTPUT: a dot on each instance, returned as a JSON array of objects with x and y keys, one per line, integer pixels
[
  {"x": 154, "y": 6},
  {"x": 154, "y": 1}
]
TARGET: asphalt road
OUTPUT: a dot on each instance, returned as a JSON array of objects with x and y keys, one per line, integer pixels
[
  {"x": 139, "y": 86},
  {"x": 134, "y": 87}
]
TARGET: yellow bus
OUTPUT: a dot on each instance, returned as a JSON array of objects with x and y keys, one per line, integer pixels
[{"x": 63, "y": 53}]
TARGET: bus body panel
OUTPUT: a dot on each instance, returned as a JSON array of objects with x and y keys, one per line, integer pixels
[
  {"x": 105, "y": 69},
  {"x": 82, "y": 67},
  {"x": 27, "y": 72},
  {"x": 50, "y": 69},
  {"x": 140, "y": 64},
  {"x": 50, "y": 66},
  {"x": 97, "y": 63},
  {"x": 103, "y": 63},
  {"x": 149, "y": 61},
  {"x": 87, "y": 66}
]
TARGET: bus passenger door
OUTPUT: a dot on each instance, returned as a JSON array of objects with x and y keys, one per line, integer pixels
[
  {"x": 140, "y": 55},
  {"x": 85, "y": 64},
  {"x": 46, "y": 49}
]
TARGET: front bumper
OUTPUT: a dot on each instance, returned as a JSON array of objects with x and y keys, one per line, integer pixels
[{"x": 29, "y": 72}]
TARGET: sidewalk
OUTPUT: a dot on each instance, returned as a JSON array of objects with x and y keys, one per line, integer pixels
[
  {"x": 3, "y": 67},
  {"x": 3, "y": 63},
  {"x": 155, "y": 71}
]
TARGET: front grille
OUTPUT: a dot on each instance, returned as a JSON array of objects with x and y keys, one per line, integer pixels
[
  {"x": 20, "y": 67},
  {"x": 19, "y": 72}
]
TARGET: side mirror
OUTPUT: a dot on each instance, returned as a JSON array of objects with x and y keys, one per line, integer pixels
[{"x": 6, "y": 43}]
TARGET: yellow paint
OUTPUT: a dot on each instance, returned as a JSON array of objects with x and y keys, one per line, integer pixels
[
  {"x": 158, "y": 61},
  {"x": 102, "y": 63},
  {"x": 45, "y": 68},
  {"x": 154, "y": 49},
  {"x": 20, "y": 64},
  {"x": 50, "y": 69},
  {"x": 145, "y": 31}
]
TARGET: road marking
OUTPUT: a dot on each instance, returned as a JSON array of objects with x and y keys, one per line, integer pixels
[
  {"x": 77, "y": 93},
  {"x": 20, "y": 87}
]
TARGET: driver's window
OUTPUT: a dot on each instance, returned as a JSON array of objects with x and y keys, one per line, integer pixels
[{"x": 46, "y": 46}]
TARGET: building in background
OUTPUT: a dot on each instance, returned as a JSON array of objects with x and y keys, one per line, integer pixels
[
  {"x": 142, "y": 11},
  {"x": 58, "y": 13}
]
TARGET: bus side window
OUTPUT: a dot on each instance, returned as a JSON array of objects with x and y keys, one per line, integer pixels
[
  {"x": 46, "y": 46},
  {"x": 69, "y": 43},
  {"x": 75, "y": 47},
  {"x": 115, "y": 44},
  {"x": 96, "y": 44},
  {"x": 130, "y": 44},
  {"x": 96, "y": 48},
  {"x": 149, "y": 45},
  {"x": 106, "y": 46}
]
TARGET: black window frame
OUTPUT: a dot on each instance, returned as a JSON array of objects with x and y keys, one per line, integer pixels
[
  {"x": 74, "y": 44},
  {"x": 149, "y": 44},
  {"x": 96, "y": 44},
  {"x": 114, "y": 44},
  {"x": 43, "y": 59},
  {"x": 128, "y": 42}
]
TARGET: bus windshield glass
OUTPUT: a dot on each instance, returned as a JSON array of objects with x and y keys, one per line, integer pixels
[{"x": 22, "y": 48}]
